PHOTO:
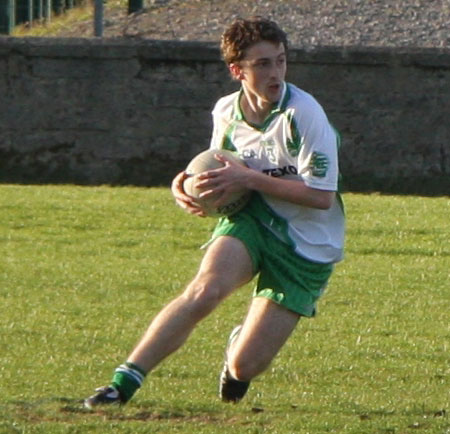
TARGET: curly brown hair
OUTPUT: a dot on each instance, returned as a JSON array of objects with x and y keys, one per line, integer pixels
[{"x": 243, "y": 33}]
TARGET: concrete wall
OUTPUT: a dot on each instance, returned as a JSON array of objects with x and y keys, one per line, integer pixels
[{"x": 92, "y": 111}]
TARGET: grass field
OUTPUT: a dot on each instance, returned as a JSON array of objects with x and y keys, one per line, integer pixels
[{"x": 83, "y": 269}]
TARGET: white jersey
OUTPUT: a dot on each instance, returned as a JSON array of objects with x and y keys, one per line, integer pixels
[{"x": 296, "y": 141}]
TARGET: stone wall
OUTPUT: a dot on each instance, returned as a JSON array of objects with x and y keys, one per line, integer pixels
[{"x": 96, "y": 111}]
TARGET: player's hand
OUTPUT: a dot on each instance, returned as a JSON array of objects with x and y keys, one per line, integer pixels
[
  {"x": 182, "y": 199},
  {"x": 223, "y": 182}
]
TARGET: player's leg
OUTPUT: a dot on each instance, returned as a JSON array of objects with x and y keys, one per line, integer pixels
[
  {"x": 250, "y": 352},
  {"x": 225, "y": 267},
  {"x": 289, "y": 286},
  {"x": 265, "y": 330}
]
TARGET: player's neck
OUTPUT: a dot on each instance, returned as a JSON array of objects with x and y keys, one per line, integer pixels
[{"x": 255, "y": 109}]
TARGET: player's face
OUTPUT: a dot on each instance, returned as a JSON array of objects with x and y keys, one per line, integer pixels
[{"x": 263, "y": 70}]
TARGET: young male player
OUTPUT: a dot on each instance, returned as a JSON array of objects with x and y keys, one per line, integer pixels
[{"x": 290, "y": 234}]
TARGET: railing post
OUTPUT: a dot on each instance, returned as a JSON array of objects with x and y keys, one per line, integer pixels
[
  {"x": 23, "y": 11},
  {"x": 30, "y": 12},
  {"x": 98, "y": 18},
  {"x": 7, "y": 16},
  {"x": 135, "y": 5},
  {"x": 47, "y": 10},
  {"x": 58, "y": 6},
  {"x": 38, "y": 9}
]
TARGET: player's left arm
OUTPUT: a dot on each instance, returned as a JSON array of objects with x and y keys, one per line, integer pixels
[
  {"x": 317, "y": 167},
  {"x": 290, "y": 190},
  {"x": 234, "y": 177},
  {"x": 317, "y": 163}
]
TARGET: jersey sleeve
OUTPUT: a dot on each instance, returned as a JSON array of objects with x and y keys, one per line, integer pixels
[
  {"x": 217, "y": 132},
  {"x": 222, "y": 121},
  {"x": 318, "y": 157}
]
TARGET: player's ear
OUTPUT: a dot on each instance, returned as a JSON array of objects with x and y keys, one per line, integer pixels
[{"x": 235, "y": 71}]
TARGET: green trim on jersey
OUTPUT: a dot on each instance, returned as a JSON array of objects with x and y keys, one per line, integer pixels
[
  {"x": 338, "y": 145},
  {"x": 237, "y": 112},
  {"x": 227, "y": 142},
  {"x": 259, "y": 208},
  {"x": 340, "y": 180},
  {"x": 295, "y": 144},
  {"x": 276, "y": 110}
]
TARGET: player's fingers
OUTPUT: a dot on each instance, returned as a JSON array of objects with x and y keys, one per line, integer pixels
[
  {"x": 209, "y": 174},
  {"x": 179, "y": 177},
  {"x": 195, "y": 210},
  {"x": 178, "y": 188},
  {"x": 177, "y": 182},
  {"x": 224, "y": 160},
  {"x": 208, "y": 183},
  {"x": 220, "y": 196},
  {"x": 205, "y": 194}
]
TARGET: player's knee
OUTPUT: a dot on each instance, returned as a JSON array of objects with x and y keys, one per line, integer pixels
[{"x": 203, "y": 296}]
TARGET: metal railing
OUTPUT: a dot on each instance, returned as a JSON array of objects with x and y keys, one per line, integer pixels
[{"x": 14, "y": 12}]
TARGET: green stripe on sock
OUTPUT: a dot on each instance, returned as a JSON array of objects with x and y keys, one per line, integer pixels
[
  {"x": 126, "y": 385},
  {"x": 136, "y": 368}
]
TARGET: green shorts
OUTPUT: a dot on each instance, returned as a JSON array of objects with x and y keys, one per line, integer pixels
[{"x": 284, "y": 277}]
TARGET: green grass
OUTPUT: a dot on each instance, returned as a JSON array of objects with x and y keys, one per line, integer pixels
[{"x": 83, "y": 270}]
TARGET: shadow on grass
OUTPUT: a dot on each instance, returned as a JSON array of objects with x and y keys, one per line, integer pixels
[
  {"x": 59, "y": 409},
  {"x": 113, "y": 414},
  {"x": 63, "y": 410}
]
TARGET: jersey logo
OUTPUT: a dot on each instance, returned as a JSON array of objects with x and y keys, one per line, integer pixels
[
  {"x": 293, "y": 147},
  {"x": 281, "y": 171},
  {"x": 269, "y": 149},
  {"x": 319, "y": 164}
]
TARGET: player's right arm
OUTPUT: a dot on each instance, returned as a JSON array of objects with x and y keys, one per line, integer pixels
[{"x": 182, "y": 199}]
